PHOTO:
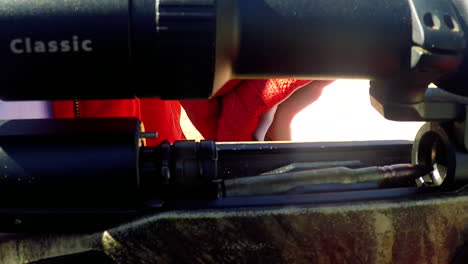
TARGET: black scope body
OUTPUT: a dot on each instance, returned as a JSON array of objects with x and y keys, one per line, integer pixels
[
  {"x": 98, "y": 163},
  {"x": 84, "y": 49}
]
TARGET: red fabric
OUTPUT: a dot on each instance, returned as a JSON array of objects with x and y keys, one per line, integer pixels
[
  {"x": 157, "y": 115},
  {"x": 234, "y": 116}
]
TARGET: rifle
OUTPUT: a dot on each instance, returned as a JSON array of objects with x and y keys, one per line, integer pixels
[{"x": 244, "y": 202}]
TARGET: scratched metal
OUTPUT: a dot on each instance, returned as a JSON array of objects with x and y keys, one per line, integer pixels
[{"x": 425, "y": 231}]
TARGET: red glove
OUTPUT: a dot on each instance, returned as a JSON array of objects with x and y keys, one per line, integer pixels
[{"x": 234, "y": 113}]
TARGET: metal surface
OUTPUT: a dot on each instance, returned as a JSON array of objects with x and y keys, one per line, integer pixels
[
  {"x": 254, "y": 158},
  {"x": 392, "y": 175},
  {"x": 442, "y": 146},
  {"x": 294, "y": 30},
  {"x": 398, "y": 231},
  {"x": 438, "y": 105},
  {"x": 315, "y": 165}
]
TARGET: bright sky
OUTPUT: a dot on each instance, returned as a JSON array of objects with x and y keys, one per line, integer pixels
[{"x": 344, "y": 113}]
